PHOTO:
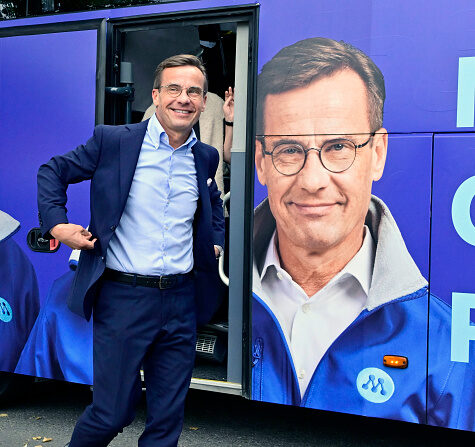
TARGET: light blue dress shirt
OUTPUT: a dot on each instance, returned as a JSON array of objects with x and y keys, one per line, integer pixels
[{"x": 155, "y": 232}]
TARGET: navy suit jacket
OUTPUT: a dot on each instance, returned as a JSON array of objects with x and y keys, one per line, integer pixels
[{"x": 109, "y": 159}]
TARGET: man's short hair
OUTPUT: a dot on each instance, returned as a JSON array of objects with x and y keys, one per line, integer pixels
[
  {"x": 303, "y": 62},
  {"x": 179, "y": 60}
]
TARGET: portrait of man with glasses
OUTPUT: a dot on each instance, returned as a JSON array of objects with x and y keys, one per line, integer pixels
[{"x": 340, "y": 308}]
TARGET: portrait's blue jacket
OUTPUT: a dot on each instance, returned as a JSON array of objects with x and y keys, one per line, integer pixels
[
  {"x": 109, "y": 159},
  {"x": 19, "y": 296},
  {"x": 351, "y": 376},
  {"x": 60, "y": 344}
]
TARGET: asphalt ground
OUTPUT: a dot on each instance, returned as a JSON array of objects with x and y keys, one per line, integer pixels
[{"x": 50, "y": 409}]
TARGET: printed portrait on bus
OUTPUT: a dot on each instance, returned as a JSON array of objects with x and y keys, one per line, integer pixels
[
  {"x": 340, "y": 307},
  {"x": 19, "y": 296}
]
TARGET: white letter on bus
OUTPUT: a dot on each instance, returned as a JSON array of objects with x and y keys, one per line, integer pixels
[
  {"x": 462, "y": 330},
  {"x": 466, "y": 92},
  {"x": 461, "y": 211}
]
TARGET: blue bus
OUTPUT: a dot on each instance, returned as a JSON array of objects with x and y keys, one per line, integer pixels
[{"x": 323, "y": 305}]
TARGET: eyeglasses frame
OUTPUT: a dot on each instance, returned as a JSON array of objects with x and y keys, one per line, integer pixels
[
  {"x": 202, "y": 95},
  {"x": 319, "y": 150}
]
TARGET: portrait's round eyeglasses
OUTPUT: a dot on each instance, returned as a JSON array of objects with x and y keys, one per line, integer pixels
[
  {"x": 289, "y": 156},
  {"x": 174, "y": 90}
]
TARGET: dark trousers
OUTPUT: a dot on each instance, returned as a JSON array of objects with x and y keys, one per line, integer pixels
[{"x": 135, "y": 326}]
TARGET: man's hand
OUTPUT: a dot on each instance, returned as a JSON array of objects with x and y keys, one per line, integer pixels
[
  {"x": 73, "y": 236},
  {"x": 228, "y": 111},
  {"x": 228, "y": 106},
  {"x": 218, "y": 251}
]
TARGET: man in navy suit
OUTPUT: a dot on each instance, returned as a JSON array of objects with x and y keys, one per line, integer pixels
[{"x": 156, "y": 230}]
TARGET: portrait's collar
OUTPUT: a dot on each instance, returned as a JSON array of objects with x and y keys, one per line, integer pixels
[{"x": 360, "y": 266}]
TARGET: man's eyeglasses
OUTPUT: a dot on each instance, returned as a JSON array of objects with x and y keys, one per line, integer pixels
[
  {"x": 289, "y": 156},
  {"x": 174, "y": 90}
]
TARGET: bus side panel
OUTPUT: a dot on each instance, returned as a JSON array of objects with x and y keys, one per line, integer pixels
[
  {"x": 420, "y": 67},
  {"x": 48, "y": 101},
  {"x": 405, "y": 187},
  {"x": 47, "y": 104},
  {"x": 429, "y": 88},
  {"x": 452, "y": 285}
]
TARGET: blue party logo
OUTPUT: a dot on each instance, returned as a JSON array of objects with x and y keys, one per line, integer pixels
[
  {"x": 375, "y": 385},
  {"x": 5, "y": 311}
]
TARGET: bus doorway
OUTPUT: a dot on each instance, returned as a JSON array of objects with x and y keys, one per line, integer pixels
[{"x": 136, "y": 46}]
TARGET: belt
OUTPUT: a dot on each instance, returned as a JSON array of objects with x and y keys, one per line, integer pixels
[{"x": 160, "y": 282}]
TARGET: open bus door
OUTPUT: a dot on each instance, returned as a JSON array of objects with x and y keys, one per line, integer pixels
[{"x": 226, "y": 40}]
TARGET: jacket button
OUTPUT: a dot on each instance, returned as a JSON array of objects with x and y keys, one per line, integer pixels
[{"x": 113, "y": 227}]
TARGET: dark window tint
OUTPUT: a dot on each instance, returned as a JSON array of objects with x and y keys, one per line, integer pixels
[{"x": 21, "y": 8}]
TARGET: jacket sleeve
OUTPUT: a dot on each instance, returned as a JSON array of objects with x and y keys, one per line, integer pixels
[
  {"x": 216, "y": 203},
  {"x": 61, "y": 171}
]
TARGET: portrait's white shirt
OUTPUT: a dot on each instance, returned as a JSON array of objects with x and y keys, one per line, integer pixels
[{"x": 312, "y": 324}]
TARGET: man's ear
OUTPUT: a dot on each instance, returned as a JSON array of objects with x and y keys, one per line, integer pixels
[
  {"x": 380, "y": 149},
  {"x": 205, "y": 97},
  {"x": 155, "y": 96},
  {"x": 260, "y": 161}
]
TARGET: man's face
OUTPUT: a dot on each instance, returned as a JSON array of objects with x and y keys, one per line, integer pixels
[
  {"x": 178, "y": 115},
  {"x": 318, "y": 210}
]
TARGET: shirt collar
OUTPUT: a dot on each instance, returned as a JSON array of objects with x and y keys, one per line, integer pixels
[
  {"x": 360, "y": 266},
  {"x": 272, "y": 257},
  {"x": 159, "y": 136}
]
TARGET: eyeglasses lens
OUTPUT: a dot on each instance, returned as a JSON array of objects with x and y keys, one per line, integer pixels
[
  {"x": 338, "y": 156},
  {"x": 175, "y": 90}
]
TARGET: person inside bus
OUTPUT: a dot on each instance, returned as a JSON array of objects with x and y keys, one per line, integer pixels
[{"x": 335, "y": 289}]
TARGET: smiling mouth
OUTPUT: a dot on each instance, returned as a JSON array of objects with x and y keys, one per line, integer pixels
[
  {"x": 314, "y": 209},
  {"x": 182, "y": 112}
]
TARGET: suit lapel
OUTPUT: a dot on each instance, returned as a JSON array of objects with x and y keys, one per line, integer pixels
[
  {"x": 201, "y": 165},
  {"x": 129, "y": 151}
]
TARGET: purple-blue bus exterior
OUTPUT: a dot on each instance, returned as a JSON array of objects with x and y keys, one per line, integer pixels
[{"x": 50, "y": 100}]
